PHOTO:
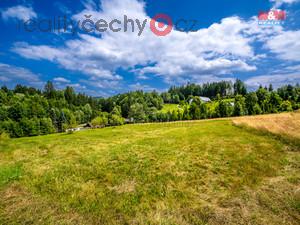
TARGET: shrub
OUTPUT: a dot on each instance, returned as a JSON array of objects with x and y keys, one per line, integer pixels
[
  {"x": 4, "y": 136},
  {"x": 116, "y": 120},
  {"x": 100, "y": 121},
  {"x": 286, "y": 106}
]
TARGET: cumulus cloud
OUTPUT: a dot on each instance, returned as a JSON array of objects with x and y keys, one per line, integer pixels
[
  {"x": 222, "y": 48},
  {"x": 18, "y": 12},
  {"x": 276, "y": 80},
  {"x": 9, "y": 73},
  {"x": 209, "y": 54},
  {"x": 73, "y": 57},
  {"x": 62, "y": 83},
  {"x": 286, "y": 45},
  {"x": 278, "y": 3},
  {"x": 61, "y": 80},
  {"x": 78, "y": 87},
  {"x": 138, "y": 86},
  {"x": 89, "y": 4}
]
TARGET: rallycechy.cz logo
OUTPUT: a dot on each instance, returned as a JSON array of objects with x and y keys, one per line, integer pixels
[{"x": 272, "y": 17}]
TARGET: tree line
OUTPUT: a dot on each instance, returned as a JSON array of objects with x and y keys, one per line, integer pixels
[{"x": 27, "y": 111}]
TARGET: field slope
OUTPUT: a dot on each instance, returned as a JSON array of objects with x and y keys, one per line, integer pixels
[
  {"x": 286, "y": 124},
  {"x": 202, "y": 172}
]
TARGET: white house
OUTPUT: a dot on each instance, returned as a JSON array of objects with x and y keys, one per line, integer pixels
[{"x": 203, "y": 99}]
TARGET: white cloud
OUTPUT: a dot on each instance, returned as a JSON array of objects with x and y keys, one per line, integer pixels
[
  {"x": 276, "y": 80},
  {"x": 286, "y": 45},
  {"x": 61, "y": 83},
  {"x": 77, "y": 86},
  {"x": 103, "y": 84},
  {"x": 38, "y": 52},
  {"x": 222, "y": 48},
  {"x": 294, "y": 68},
  {"x": 138, "y": 86},
  {"x": 18, "y": 12},
  {"x": 89, "y": 4},
  {"x": 69, "y": 58},
  {"x": 206, "y": 55},
  {"x": 61, "y": 80},
  {"x": 278, "y": 3},
  {"x": 9, "y": 73}
]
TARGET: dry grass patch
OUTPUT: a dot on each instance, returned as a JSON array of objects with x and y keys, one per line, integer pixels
[
  {"x": 282, "y": 124},
  {"x": 19, "y": 206},
  {"x": 125, "y": 187}
]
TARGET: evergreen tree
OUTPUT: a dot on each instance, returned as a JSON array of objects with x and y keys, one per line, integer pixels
[
  {"x": 70, "y": 95},
  {"x": 49, "y": 90},
  {"x": 271, "y": 88},
  {"x": 239, "y": 88}
]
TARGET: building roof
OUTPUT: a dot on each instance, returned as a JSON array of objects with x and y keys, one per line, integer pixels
[{"x": 205, "y": 99}]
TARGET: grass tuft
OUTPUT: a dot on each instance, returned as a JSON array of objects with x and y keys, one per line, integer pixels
[{"x": 10, "y": 173}]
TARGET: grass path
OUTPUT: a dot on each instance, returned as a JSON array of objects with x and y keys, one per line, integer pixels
[{"x": 207, "y": 172}]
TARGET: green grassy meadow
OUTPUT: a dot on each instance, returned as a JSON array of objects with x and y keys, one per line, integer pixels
[
  {"x": 198, "y": 172},
  {"x": 170, "y": 108}
]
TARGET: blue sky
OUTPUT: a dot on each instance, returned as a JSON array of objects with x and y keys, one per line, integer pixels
[{"x": 227, "y": 44}]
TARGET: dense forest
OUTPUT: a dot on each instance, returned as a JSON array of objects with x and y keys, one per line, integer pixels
[{"x": 26, "y": 111}]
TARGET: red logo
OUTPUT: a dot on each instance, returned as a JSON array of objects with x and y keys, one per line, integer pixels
[
  {"x": 272, "y": 15},
  {"x": 159, "y": 28}
]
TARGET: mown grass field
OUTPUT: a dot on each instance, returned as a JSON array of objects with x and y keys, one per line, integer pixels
[
  {"x": 199, "y": 172},
  {"x": 170, "y": 108}
]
